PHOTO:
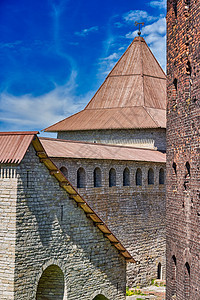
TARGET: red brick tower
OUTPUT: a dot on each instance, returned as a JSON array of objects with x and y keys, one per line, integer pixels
[{"x": 183, "y": 137}]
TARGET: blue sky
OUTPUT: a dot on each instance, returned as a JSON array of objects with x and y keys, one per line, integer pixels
[{"x": 54, "y": 54}]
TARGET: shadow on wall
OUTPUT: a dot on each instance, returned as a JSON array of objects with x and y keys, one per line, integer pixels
[{"x": 49, "y": 207}]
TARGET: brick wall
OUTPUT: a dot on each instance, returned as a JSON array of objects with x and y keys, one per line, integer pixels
[
  {"x": 183, "y": 176},
  {"x": 54, "y": 239},
  {"x": 136, "y": 214},
  {"x": 142, "y": 138}
]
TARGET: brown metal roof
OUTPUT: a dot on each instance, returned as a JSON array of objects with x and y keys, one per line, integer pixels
[
  {"x": 76, "y": 149},
  {"x": 113, "y": 118},
  {"x": 136, "y": 83},
  {"x": 13, "y": 145}
]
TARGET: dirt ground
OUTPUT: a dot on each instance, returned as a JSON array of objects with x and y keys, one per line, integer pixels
[{"x": 151, "y": 293}]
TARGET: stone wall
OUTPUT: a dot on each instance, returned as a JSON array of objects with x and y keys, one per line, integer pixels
[
  {"x": 183, "y": 164},
  {"x": 135, "y": 213},
  {"x": 142, "y": 138},
  {"x": 55, "y": 239},
  {"x": 8, "y": 196}
]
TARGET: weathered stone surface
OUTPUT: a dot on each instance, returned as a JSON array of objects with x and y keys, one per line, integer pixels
[
  {"x": 35, "y": 236},
  {"x": 135, "y": 214},
  {"x": 141, "y": 138}
]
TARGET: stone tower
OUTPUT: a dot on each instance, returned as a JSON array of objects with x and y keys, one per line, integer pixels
[
  {"x": 128, "y": 109},
  {"x": 125, "y": 117},
  {"x": 183, "y": 177}
]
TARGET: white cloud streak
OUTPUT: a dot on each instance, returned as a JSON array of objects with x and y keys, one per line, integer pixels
[
  {"x": 162, "y": 4},
  {"x": 10, "y": 45},
  {"x": 86, "y": 31},
  {"x": 28, "y": 112},
  {"x": 137, "y": 16},
  {"x": 155, "y": 36}
]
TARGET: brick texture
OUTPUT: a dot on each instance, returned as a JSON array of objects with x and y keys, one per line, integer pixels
[{"x": 183, "y": 176}]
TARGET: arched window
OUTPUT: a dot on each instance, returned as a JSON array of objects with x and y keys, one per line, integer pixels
[
  {"x": 64, "y": 171},
  {"x": 97, "y": 177},
  {"x": 126, "y": 177},
  {"x": 100, "y": 297},
  {"x": 187, "y": 165},
  {"x": 175, "y": 82},
  {"x": 159, "y": 271},
  {"x": 174, "y": 167},
  {"x": 51, "y": 284},
  {"x": 187, "y": 281},
  {"x": 175, "y": 8},
  {"x": 188, "y": 68},
  {"x": 81, "y": 178},
  {"x": 186, "y": 183},
  {"x": 138, "y": 177},
  {"x": 150, "y": 176},
  {"x": 173, "y": 270},
  {"x": 112, "y": 177},
  {"x": 161, "y": 176}
]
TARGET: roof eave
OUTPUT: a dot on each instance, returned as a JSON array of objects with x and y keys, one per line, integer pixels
[{"x": 73, "y": 194}]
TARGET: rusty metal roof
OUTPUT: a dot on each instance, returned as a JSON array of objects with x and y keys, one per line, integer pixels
[
  {"x": 136, "y": 85},
  {"x": 75, "y": 149},
  {"x": 13, "y": 145},
  {"x": 113, "y": 118}
]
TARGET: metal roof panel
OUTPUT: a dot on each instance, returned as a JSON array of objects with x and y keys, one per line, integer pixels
[
  {"x": 56, "y": 148},
  {"x": 137, "y": 82},
  {"x": 13, "y": 145}
]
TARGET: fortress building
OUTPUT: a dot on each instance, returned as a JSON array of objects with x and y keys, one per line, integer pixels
[
  {"x": 183, "y": 139},
  {"x": 52, "y": 243},
  {"x": 113, "y": 151}
]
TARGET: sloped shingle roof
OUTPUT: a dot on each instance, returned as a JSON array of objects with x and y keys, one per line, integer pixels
[
  {"x": 132, "y": 96},
  {"x": 75, "y": 149},
  {"x": 13, "y": 145}
]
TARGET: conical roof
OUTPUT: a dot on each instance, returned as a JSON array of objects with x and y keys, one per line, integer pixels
[{"x": 132, "y": 96}]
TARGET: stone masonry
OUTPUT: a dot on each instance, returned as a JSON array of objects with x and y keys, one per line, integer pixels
[
  {"x": 183, "y": 138},
  {"x": 154, "y": 138},
  {"x": 135, "y": 213},
  {"x": 45, "y": 234}
]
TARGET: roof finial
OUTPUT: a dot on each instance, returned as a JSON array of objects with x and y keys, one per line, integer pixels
[{"x": 136, "y": 24}]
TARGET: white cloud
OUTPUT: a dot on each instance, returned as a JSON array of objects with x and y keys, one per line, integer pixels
[
  {"x": 10, "y": 45},
  {"x": 107, "y": 63},
  {"x": 137, "y": 16},
  {"x": 28, "y": 112},
  {"x": 113, "y": 56},
  {"x": 86, "y": 31},
  {"x": 158, "y": 4},
  {"x": 155, "y": 36},
  {"x": 156, "y": 27}
]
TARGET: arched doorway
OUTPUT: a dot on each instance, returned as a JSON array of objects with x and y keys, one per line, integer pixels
[
  {"x": 100, "y": 297},
  {"x": 51, "y": 284}
]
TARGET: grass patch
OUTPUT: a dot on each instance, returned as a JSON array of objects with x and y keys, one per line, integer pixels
[{"x": 133, "y": 292}]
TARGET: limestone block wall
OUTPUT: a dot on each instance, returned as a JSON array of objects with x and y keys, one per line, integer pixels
[
  {"x": 183, "y": 139},
  {"x": 141, "y": 138},
  {"x": 135, "y": 213},
  {"x": 8, "y": 198},
  {"x": 55, "y": 240}
]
